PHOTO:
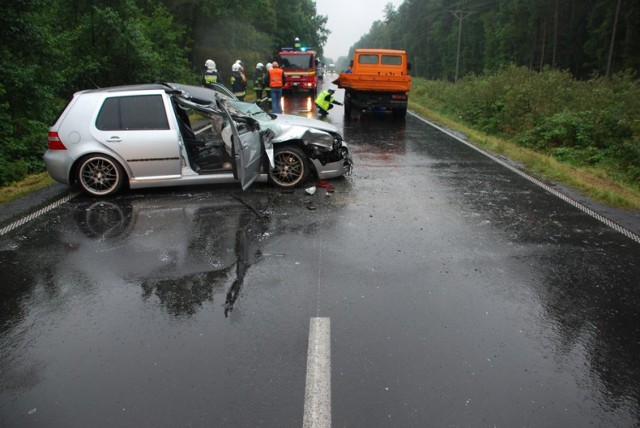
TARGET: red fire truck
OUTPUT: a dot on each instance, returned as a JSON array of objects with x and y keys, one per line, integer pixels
[{"x": 299, "y": 65}]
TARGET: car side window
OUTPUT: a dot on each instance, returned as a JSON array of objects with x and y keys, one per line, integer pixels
[{"x": 133, "y": 113}]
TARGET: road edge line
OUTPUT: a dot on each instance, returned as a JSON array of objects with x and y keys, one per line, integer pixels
[
  {"x": 32, "y": 216},
  {"x": 615, "y": 226}
]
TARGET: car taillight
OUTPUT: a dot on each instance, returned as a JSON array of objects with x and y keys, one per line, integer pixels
[
  {"x": 54, "y": 142},
  {"x": 398, "y": 97}
]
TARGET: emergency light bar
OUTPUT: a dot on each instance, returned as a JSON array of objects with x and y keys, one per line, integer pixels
[{"x": 301, "y": 49}]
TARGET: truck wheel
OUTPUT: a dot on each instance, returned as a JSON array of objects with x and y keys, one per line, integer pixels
[
  {"x": 347, "y": 109},
  {"x": 291, "y": 168},
  {"x": 399, "y": 113}
]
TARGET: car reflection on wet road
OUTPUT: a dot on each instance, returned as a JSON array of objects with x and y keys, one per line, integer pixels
[{"x": 459, "y": 293}]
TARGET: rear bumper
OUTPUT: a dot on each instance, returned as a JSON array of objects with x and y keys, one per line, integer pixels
[
  {"x": 371, "y": 100},
  {"x": 59, "y": 164},
  {"x": 306, "y": 86}
]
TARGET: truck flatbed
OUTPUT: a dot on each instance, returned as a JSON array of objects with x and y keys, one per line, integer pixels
[{"x": 374, "y": 82}]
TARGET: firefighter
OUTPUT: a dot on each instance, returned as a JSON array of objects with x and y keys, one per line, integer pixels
[
  {"x": 325, "y": 101},
  {"x": 267, "y": 89},
  {"x": 277, "y": 81},
  {"x": 238, "y": 81},
  {"x": 259, "y": 81},
  {"x": 211, "y": 75}
]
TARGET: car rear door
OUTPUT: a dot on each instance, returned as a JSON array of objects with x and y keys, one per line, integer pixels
[{"x": 137, "y": 127}]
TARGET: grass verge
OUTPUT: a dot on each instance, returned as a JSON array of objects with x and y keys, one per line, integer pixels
[
  {"x": 591, "y": 182},
  {"x": 29, "y": 184}
]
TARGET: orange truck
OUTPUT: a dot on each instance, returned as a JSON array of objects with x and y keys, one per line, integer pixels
[{"x": 378, "y": 79}]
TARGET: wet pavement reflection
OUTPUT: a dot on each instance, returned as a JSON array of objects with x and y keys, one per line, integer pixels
[{"x": 459, "y": 294}]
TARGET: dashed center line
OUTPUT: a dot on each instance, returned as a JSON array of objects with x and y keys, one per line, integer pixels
[{"x": 317, "y": 401}]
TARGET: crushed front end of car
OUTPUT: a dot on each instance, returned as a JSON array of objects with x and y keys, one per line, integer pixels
[{"x": 328, "y": 153}]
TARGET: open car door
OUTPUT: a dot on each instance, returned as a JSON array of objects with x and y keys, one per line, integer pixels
[
  {"x": 245, "y": 131},
  {"x": 247, "y": 148}
]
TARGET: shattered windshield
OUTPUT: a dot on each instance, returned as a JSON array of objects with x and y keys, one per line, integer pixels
[{"x": 250, "y": 109}]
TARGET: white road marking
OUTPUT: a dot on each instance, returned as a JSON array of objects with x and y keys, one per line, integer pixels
[
  {"x": 317, "y": 401},
  {"x": 27, "y": 219}
]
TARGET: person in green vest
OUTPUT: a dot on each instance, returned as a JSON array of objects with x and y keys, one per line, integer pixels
[{"x": 325, "y": 101}]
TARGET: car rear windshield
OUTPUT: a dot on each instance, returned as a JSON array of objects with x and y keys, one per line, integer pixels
[{"x": 132, "y": 113}]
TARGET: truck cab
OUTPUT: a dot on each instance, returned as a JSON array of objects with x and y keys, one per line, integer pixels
[{"x": 299, "y": 69}]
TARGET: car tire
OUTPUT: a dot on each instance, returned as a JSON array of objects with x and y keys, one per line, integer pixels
[
  {"x": 100, "y": 175},
  {"x": 291, "y": 167}
]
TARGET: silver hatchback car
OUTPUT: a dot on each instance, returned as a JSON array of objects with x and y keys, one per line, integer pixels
[{"x": 142, "y": 136}]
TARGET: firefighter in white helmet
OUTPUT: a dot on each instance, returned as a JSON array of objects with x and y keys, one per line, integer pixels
[
  {"x": 259, "y": 81},
  {"x": 211, "y": 74},
  {"x": 238, "y": 81}
]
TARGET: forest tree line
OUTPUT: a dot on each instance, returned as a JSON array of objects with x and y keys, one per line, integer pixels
[
  {"x": 585, "y": 37},
  {"x": 557, "y": 77},
  {"x": 51, "y": 48}
]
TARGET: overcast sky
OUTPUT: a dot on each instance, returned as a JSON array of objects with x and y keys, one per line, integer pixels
[{"x": 349, "y": 20}]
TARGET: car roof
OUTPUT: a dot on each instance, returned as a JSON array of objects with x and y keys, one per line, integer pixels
[
  {"x": 162, "y": 86},
  {"x": 129, "y": 88},
  {"x": 197, "y": 94}
]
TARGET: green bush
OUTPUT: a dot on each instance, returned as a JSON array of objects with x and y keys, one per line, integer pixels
[
  {"x": 51, "y": 49},
  {"x": 12, "y": 171},
  {"x": 594, "y": 122}
]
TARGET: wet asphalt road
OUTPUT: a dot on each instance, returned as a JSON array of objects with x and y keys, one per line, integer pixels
[{"x": 458, "y": 294}]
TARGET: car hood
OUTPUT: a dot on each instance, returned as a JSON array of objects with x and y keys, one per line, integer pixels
[{"x": 286, "y": 120}]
